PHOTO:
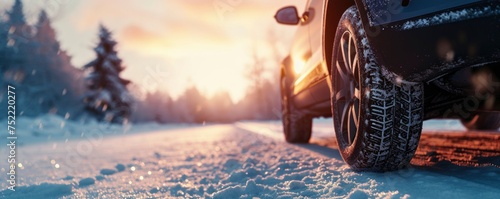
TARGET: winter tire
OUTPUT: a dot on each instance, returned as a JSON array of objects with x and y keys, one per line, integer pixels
[
  {"x": 377, "y": 123},
  {"x": 297, "y": 126}
]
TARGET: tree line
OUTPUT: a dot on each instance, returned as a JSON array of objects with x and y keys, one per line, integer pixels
[
  {"x": 46, "y": 82},
  {"x": 31, "y": 60}
]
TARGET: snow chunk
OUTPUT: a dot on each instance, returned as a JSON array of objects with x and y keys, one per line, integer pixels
[
  {"x": 237, "y": 176},
  {"x": 252, "y": 172},
  {"x": 154, "y": 190},
  {"x": 211, "y": 189},
  {"x": 232, "y": 164},
  {"x": 358, "y": 194},
  {"x": 296, "y": 185},
  {"x": 120, "y": 167},
  {"x": 252, "y": 188},
  {"x": 99, "y": 177},
  {"x": 86, "y": 182},
  {"x": 230, "y": 192},
  {"x": 108, "y": 171}
]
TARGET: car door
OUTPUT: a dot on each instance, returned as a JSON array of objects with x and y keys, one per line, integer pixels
[
  {"x": 313, "y": 78},
  {"x": 300, "y": 53}
]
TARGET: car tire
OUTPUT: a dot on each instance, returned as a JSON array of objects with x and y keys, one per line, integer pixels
[
  {"x": 377, "y": 123},
  {"x": 484, "y": 121},
  {"x": 297, "y": 125}
]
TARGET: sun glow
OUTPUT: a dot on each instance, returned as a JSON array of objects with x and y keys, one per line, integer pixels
[
  {"x": 172, "y": 45},
  {"x": 298, "y": 65}
]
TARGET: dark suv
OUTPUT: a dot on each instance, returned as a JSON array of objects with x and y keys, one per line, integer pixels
[{"x": 381, "y": 67}]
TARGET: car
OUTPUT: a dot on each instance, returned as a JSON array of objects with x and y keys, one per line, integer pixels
[{"x": 382, "y": 67}]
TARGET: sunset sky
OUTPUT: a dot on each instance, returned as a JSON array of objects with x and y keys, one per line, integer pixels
[{"x": 171, "y": 44}]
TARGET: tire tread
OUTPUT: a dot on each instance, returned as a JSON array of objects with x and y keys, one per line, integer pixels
[{"x": 394, "y": 114}]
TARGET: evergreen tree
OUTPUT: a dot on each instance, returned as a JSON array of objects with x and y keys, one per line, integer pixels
[
  {"x": 4, "y": 51},
  {"x": 54, "y": 73},
  {"x": 17, "y": 68},
  {"x": 4, "y": 63},
  {"x": 107, "y": 96},
  {"x": 18, "y": 35},
  {"x": 31, "y": 60},
  {"x": 46, "y": 35},
  {"x": 16, "y": 15}
]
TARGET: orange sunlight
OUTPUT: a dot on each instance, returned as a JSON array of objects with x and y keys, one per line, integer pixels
[{"x": 172, "y": 45}]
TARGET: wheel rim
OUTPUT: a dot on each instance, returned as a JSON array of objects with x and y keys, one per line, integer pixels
[{"x": 347, "y": 89}]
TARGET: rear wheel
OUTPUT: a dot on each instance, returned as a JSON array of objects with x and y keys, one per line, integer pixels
[
  {"x": 488, "y": 121},
  {"x": 377, "y": 123},
  {"x": 297, "y": 126}
]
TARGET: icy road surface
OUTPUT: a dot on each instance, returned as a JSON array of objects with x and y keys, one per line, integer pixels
[{"x": 247, "y": 160}]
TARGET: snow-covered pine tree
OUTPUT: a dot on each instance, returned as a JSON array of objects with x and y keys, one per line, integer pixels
[
  {"x": 46, "y": 35},
  {"x": 18, "y": 35},
  {"x": 107, "y": 96},
  {"x": 4, "y": 63},
  {"x": 19, "y": 52},
  {"x": 31, "y": 60},
  {"x": 55, "y": 76},
  {"x": 16, "y": 15},
  {"x": 4, "y": 51}
]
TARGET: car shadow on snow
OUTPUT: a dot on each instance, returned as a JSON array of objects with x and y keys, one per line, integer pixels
[
  {"x": 322, "y": 150},
  {"x": 484, "y": 175}
]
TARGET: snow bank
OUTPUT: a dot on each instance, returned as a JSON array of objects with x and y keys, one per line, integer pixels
[
  {"x": 55, "y": 128},
  {"x": 224, "y": 161}
]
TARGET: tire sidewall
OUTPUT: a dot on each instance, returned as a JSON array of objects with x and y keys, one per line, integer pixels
[
  {"x": 285, "y": 106},
  {"x": 352, "y": 23}
]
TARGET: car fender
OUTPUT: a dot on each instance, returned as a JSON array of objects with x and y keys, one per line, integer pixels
[
  {"x": 287, "y": 71},
  {"x": 382, "y": 12}
]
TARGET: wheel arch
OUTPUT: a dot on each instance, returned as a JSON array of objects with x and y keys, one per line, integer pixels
[
  {"x": 286, "y": 71},
  {"x": 334, "y": 10},
  {"x": 285, "y": 67}
]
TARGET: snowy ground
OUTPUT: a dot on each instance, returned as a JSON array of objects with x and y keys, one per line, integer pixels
[{"x": 243, "y": 160}]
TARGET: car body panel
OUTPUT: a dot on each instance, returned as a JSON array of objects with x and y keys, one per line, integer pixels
[
  {"x": 405, "y": 55},
  {"x": 380, "y": 12},
  {"x": 317, "y": 13},
  {"x": 301, "y": 52},
  {"x": 424, "y": 48},
  {"x": 311, "y": 73}
]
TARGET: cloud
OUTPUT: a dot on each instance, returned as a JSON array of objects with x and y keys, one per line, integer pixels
[
  {"x": 137, "y": 36},
  {"x": 177, "y": 41},
  {"x": 156, "y": 26},
  {"x": 186, "y": 36}
]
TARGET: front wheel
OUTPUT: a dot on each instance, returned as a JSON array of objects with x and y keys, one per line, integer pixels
[
  {"x": 377, "y": 123},
  {"x": 297, "y": 126}
]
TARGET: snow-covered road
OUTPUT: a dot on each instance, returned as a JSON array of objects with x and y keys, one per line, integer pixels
[{"x": 242, "y": 160}]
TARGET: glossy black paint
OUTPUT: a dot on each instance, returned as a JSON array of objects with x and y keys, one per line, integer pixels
[
  {"x": 380, "y": 12},
  {"x": 424, "y": 53}
]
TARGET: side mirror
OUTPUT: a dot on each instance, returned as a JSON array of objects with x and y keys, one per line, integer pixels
[{"x": 287, "y": 15}]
